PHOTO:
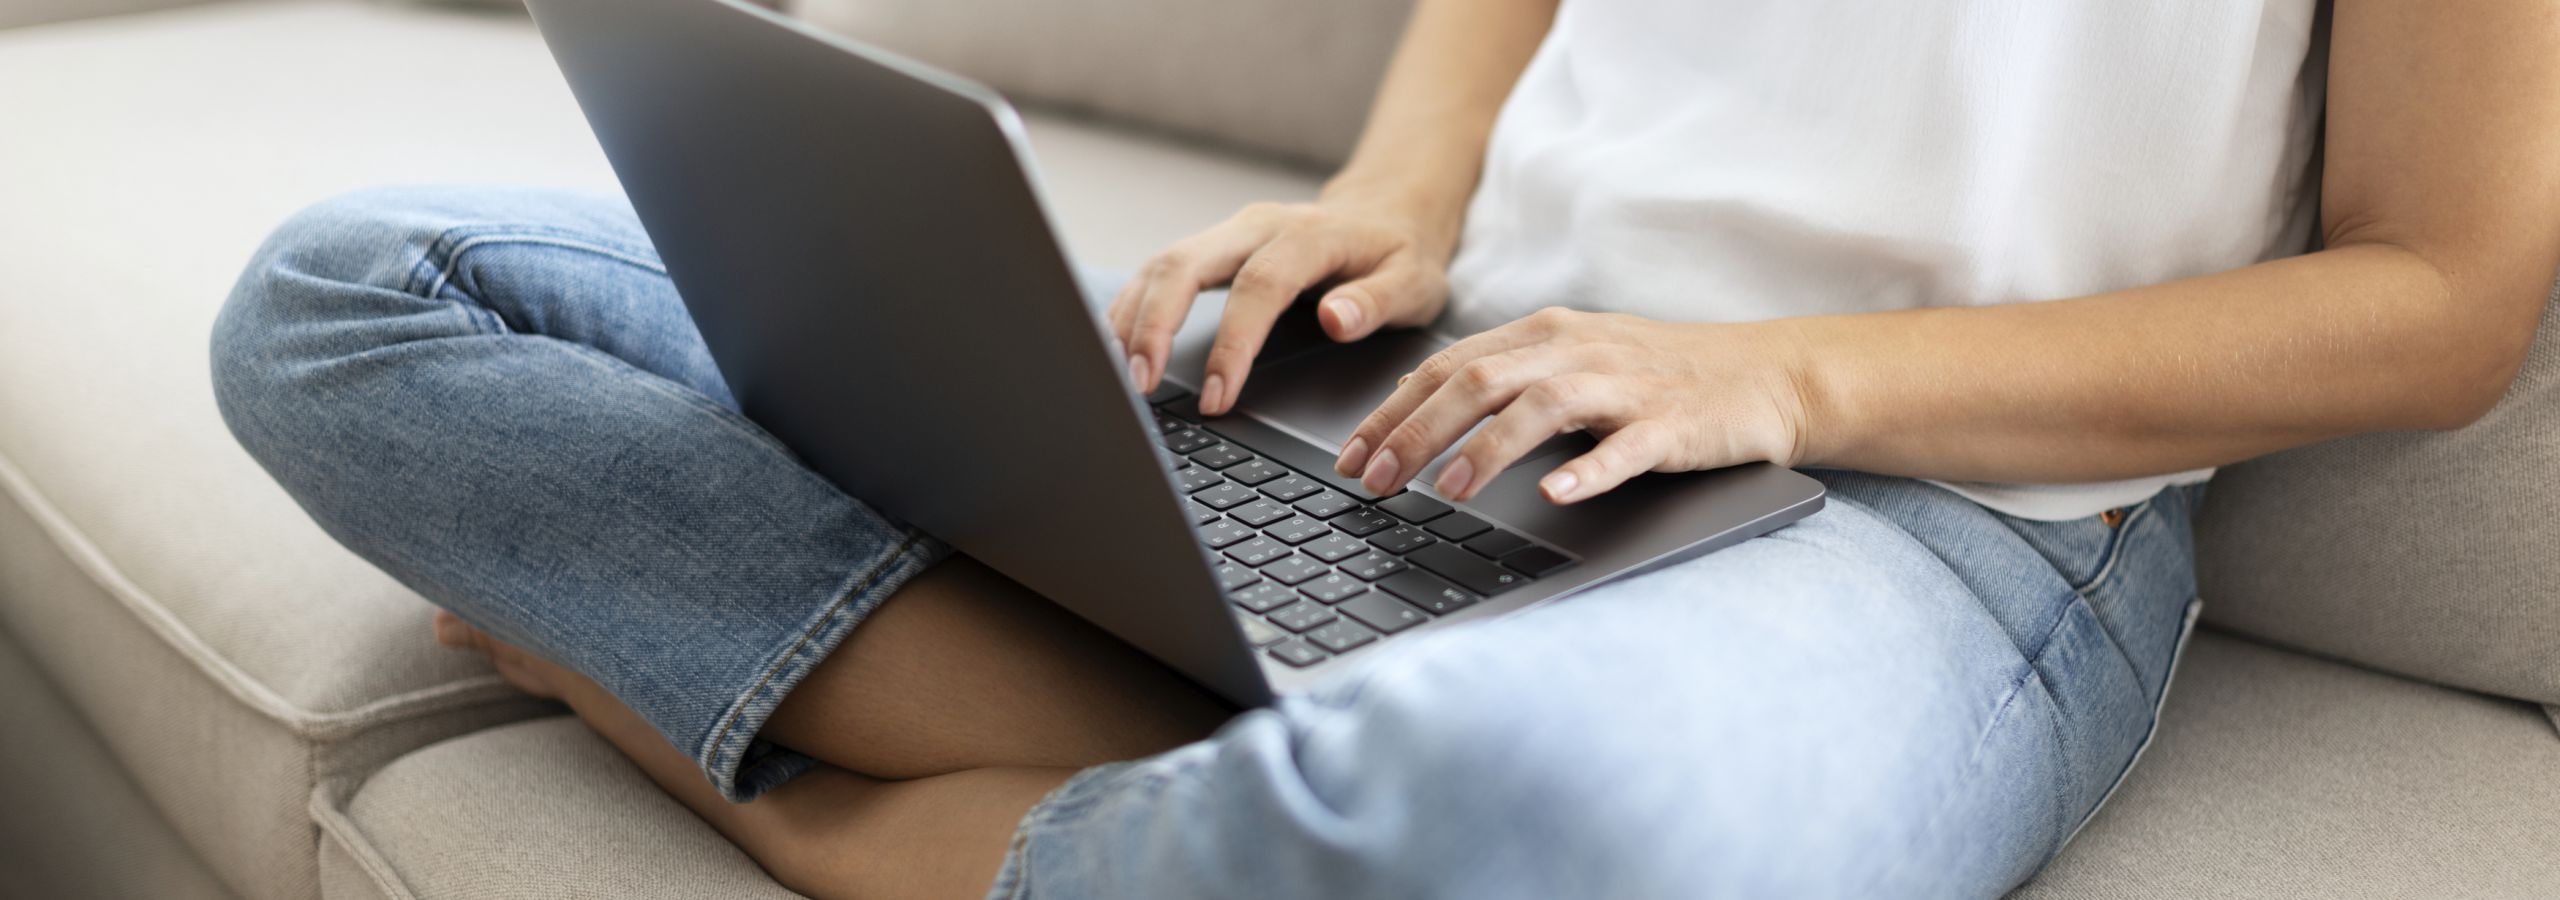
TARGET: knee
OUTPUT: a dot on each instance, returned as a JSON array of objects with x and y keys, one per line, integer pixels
[{"x": 1536, "y": 788}]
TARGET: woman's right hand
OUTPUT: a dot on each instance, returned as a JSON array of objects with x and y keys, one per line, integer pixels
[{"x": 1384, "y": 268}]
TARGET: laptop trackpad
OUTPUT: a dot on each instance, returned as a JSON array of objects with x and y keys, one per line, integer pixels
[{"x": 1323, "y": 395}]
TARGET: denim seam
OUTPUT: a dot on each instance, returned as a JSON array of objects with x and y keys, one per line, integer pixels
[
  {"x": 2123, "y": 533},
  {"x": 725, "y": 747},
  {"x": 446, "y": 254},
  {"x": 449, "y": 246},
  {"x": 1999, "y": 715}
]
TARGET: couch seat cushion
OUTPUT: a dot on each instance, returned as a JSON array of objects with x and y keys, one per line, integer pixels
[{"x": 2278, "y": 775}]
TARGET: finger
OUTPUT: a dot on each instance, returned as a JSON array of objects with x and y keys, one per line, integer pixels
[
  {"x": 1265, "y": 285},
  {"x": 1483, "y": 387},
  {"x": 1570, "y": 402},
  {"x": 1630, "y": 451},
  {"x": 1173, "y": 280},
  {"x": 1123, "y": 311},
  {"x": 1400, "y": 293},
  {"x": 1425, "y": 379}
]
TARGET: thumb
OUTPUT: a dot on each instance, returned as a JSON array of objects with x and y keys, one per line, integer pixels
[{"x": 1358, "y": 308}]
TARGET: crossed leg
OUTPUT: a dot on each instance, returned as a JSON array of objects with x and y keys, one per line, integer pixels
[{"x": 952, "y": 710}]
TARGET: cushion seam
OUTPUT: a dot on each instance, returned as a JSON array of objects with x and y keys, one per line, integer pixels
[
  {"x": 101, "y": 570},
  {"x": 350, "y": 836}
]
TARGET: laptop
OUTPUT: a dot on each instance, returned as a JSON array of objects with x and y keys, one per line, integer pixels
[{"x": 862, "y": 242}]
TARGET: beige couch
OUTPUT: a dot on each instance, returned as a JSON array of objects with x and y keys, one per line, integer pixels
[{"x": 202, "y": 696}]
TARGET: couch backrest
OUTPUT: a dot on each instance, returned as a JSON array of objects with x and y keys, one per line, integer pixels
[
  {"x": 1288, "y": 79},
  {"x": 2431, "y": 555},
  {"x": 2423, "y": 554}
]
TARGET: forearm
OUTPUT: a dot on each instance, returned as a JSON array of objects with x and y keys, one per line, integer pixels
[
  {"x": 1424, "y": 144},
  {"x": 2193, "y": 373}
]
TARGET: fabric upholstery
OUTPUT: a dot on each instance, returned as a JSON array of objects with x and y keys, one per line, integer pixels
[
  {"x": 98, "y": 836},
  {"x": 230, "y": 654},
  {"x": 2428, "y": 555},
  {"x": 1288, "y": 78},
  {"x": 2277, "y": 775},
  {"x": 488, "y": 817},
  {"x": 224, "y": 650}
]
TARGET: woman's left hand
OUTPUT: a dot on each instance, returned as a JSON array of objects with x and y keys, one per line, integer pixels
[{"x": 1662, "y": 397}]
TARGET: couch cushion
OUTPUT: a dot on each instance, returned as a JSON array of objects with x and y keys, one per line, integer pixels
[
  {"x": 97, "y": 837},
  {"x": 540, "y": 809},
  {"x": 2425, "y": 554},
  {"x": 1292, "y": 78},
  {"x": 2274, "y": 775},
  {"x": 2278, "y": 775},
  {"x": 226, "y": 652}
]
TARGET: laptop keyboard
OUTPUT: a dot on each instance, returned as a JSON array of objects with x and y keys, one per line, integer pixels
[{"x": 1312, "y": 571}]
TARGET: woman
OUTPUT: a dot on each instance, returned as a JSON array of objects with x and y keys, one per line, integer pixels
[{"x": 1712, "y": 232}]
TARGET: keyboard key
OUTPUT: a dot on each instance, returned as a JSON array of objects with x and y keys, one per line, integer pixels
[
  {"x": 1400, "y": 539},
  {"x": 1221, "y": 456},
  {"x": 1435, "y": 595},
  {"x": 1260, "y": 512},
  {"x": 1291, "y": 488},
  {"x": 1200, "y": 515},
  {"x": 1467, "y": 569},
  {"x": 1496, "y": 543},
  {"x": 1257, "y": 551},
  {"x": 1302, "y": 615},
  {"x": 1193, "y": 478},
  {"x": 1258, "y": 632},
  {"x": 1410, "y": 506},
  {"x": 1451, "y": 527},
  {"x": 1373, "y": 565},
  {"x": 1220, "y": 533},
  {"x": 1262, "y": 596},
  {"x": 1364, "y": 522},
  {"x": 1326, "y": 505},
  {"x": 1296, "y": 652},
  {"x": 1293, "y": 569},
  {"x": 1297, "y": 530},
  {"x": 1340, "y": 635},
  {"x": 1382, "y": 612},
  {"x": 1335, "y": 547},
  {"x": 1232, "y": 577},
  {"x": 1253, "y": 471},
  {"x": 1225, "y": 496},
  {"x": 1537, "y": 561},
  {"x": 1187, "y": 440},
  {"x": 1167, "y": 424},
  {"x": 1171, "y": 462},
  {"x": 1334, "y": 588}
]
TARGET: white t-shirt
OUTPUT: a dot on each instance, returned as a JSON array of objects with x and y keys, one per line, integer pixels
[{"x": 1736, "y": 160}]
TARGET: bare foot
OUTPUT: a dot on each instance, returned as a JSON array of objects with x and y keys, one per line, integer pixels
[{"x": 527, "y": 672}]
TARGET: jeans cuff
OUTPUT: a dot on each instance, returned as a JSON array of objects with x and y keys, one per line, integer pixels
[{"x": 741, "y": 765}]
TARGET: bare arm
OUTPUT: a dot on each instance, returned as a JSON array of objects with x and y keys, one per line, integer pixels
[
  {"x": 1385, "y": 226},
  {"x": 2441, "y": 213}
]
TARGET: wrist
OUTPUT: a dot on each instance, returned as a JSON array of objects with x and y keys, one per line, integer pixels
[
  {"x": 1431, "y": 213},
  {"x": 1798, "y": 395}
]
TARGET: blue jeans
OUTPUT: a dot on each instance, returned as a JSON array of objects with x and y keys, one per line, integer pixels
[{"x": 497, "y": 397}]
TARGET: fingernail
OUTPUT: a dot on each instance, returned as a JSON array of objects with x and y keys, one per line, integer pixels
[
  {"x": 1138, "y": 371},
  {"x": 1213, "y": 394},
  {"x": 1346, "y": 314},
  {"x": 1454, "y": 478},
  {"x": 1353, "y": 454},
  {"x": 1381, "y": 473},
  {"x": 1559, "y": 486}
]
